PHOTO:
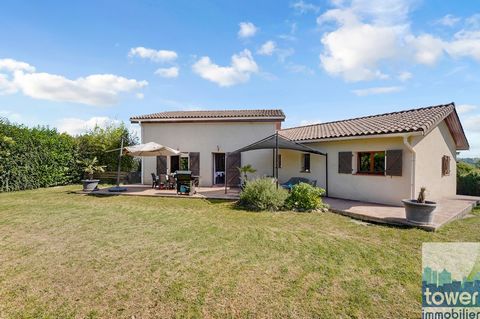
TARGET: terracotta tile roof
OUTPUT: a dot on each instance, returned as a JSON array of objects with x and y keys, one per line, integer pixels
[
  {"x": 213, "y": 115},
  {"x": 414, "y": 120}
]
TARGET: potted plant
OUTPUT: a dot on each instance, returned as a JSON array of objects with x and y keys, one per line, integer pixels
[
  {"x": 90, "y": 166},
  {"x": 245, "y": 170},
  {"x": 419, "y": 211}
]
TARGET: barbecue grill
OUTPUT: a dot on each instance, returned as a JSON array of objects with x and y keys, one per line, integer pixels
[{"x": 185, "y": 182}]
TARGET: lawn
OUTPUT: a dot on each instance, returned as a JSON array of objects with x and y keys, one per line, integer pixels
[{"x": 66, "y": 255}]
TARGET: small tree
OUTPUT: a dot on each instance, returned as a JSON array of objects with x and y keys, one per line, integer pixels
[
  {"x": 244, "y": 171},
  {"x": 90, "y": 166}
]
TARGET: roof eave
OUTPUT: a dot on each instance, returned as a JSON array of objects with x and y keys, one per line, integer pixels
[
  {"x": 200, "y": 120},
  {"x": 360, "y": 137}
]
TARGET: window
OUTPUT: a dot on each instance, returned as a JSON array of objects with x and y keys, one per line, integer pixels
[
  {"x": 445, "y": 165},
  {"x": 184, "y": 163},
  {"x": 306, "y": 163},
  {"x": 371, "y": 163}
]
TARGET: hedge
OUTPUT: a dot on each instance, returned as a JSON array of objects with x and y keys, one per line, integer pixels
[
  {"x": 468, "y": 179},
  {"x": 35, "y": 157},
  {"x": 42, "y": 157}
]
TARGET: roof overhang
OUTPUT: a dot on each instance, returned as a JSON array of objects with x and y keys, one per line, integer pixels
[
  {"x": 456, "y": 129},
  {"x": 209, "y": 120},
  {"x": 361, "y": 137}
]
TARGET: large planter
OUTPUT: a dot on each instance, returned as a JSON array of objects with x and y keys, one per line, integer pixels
[
  {"x": 419, "y": 213},
  {"x": 90, "y": 185}
]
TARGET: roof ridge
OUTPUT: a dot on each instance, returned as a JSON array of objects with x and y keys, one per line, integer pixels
[
  {"x": 227, "y": 113},
  {"x": 371, "y": 116}
]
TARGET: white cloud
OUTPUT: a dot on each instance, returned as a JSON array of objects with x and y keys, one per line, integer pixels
[
  {"x": 472, "y": 123},
  {"x": 354, "y": 50},
  {"x": 304, "y": 7},
  {"x": 242, "y": 66},
  {"x": 168, "y": 72},
  {"x": 405, "y": 76},
  {"x": 14, "y": 65},
  {"x": 370, "y": 33},
  {"x": 377, "y": 90},
  {"x": 465, "y": 108},
  {"x": 299, "y": 68},
  {"x": 140, "y": 96},
  {"x": 466, "y": 43},
  {"x": 153, "y": 55},
  {"x": 247, "y": 30},
  {"x": 6, "y": 86},
  {"x": 11, "y": 116},
  {"x": 96, "y": 89},
  {"x": 428, "y": 49},
  {"x": 448, "y": 20},
  {"x": 267, "y": 48},
  {"x": 76, "y": 126}
]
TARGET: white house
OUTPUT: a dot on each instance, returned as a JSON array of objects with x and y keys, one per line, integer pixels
[{"x": 381, "y": 158}]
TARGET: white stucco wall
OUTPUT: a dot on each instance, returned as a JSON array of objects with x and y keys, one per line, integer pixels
[
  {"x": 208, "y": 138},
  {"x": 430, "y": 149},
  {"x": 372, "y": 188}
]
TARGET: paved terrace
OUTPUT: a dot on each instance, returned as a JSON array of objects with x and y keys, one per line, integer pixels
[
  {"x": 202, "y": 192},
  {"x": 448, "y": 209}
]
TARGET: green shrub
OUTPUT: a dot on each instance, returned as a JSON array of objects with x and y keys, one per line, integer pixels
[
  {"x": 305, "y": 197},
  {"x": 262, "y": 194},
  {"x": 35, "y": 157},
  {"x": 469, "y": 183}
]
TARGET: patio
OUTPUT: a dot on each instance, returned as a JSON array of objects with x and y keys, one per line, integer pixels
[
  {"x": 202, "y": 192},
  {"x": 448, "y": 209}
]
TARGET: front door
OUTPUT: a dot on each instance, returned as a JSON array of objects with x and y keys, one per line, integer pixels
[{"x": 218, "y": 168}]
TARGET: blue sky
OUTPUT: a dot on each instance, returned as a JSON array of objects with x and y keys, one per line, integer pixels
[{"x": 71, "y": 65}]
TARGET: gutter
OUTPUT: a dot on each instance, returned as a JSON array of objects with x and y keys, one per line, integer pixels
[
  {"x": 359, "y": 137},
  {"x": 412, "y": 174}
]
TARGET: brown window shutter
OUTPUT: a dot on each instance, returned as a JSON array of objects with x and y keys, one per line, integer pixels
[
  {"x": 233, "y": 162},
  {"x": 445, "y": 165},
  {"x": 345, "y": 162},
  {"x": 394, "y": 163},
  {"x": 194, "y": 158},
  {"x": 161, "y": 165}
]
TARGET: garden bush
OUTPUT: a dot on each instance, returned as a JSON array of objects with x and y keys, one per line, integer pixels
[
  {"x": 468, "y": 179},
  {"x": 262, "y": 194},
  {"x": 305, "y": 197},
  {"x": 42, "y": 157},
  {"x": 35, "y": 157}
]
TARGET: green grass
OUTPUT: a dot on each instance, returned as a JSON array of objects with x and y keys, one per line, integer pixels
[{"x": 66, "y": 255}]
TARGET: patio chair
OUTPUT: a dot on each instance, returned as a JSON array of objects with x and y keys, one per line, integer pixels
[
  {"x": 294, "y": 181},
  {"x": 155, "y": 180},
  {"x": 313, "y": 183},
  {"x": 163, "y": 181},
  {"x": 171, "y": 182}
]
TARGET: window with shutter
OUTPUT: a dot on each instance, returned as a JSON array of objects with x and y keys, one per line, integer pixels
[
  {"x": 394, "y": 163},
  {"x": 371, "y": 163},
  {"x": 345, "y": 162},
  {"x": 445, "y": 165}
]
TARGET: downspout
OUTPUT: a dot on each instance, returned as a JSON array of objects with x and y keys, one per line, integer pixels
[
  {"x": 142, "y": 163},
  {"x": 412, "y": 172}
]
